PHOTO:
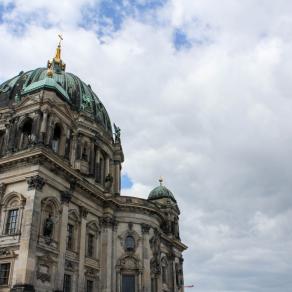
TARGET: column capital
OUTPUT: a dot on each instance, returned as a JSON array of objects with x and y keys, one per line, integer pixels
[
  {"x": 2, "y": 189},
  {"x": 35, "y": 182},
  {"x": 83, "y": 212},
  {"x": 66, "y": 196},
  {"x": 145, "y": 228},
  {"x": 108, "y": 222}
]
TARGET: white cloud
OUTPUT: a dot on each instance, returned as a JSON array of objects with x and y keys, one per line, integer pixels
[{"x": 214, "y": 121}]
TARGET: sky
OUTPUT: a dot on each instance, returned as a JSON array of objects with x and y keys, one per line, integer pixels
[{"x": 202, "y": 92}]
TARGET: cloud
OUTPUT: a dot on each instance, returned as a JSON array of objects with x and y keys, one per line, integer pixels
[{"x": 214, "y": 119}]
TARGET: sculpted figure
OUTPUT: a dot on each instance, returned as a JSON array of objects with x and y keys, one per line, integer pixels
[{"x": 48, "y": 227}]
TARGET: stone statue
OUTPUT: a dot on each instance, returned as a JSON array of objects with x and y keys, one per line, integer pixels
[
  {"x": 48, "y": 226},
  {"x": 117, "y": 133},
  {"x": 108, "y": 182}
]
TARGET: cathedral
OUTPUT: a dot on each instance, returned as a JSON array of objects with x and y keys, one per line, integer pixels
[{"x": 64, "y": 224}]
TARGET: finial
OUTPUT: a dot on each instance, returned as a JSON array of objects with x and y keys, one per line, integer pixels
[
  {"x": 160, "y": 180},
  {"x": 58, "y": 51},
  {"x": 56, "y": 65}
]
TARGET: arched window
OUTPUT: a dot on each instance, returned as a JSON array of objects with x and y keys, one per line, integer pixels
[
  {"x": 130, "y": 243},
  {"x": 56, "y": 138},
  {"x": 12, "y": 213},
  {"x": 26, "y": 133},
  {"x": 91, "y": 239}
]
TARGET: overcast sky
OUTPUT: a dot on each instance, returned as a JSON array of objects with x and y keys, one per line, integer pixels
[{"x": 202, "y": 91}]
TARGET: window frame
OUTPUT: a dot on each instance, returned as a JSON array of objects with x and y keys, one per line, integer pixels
[
  {"x": 70, "y": 239},
  {"x": 9, "y": 273},
  {"x": 67, "y": 276},
  {"x": 9, "y": 222}
]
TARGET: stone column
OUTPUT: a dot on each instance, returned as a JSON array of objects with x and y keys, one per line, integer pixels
[
  {"x": 65, "y": 199},
  {"x": 114, "y": 256},
  {"x": 146, "y": 258},
  {"x": 35, "y": 127},
  {"x": 82, "y": 249},
  {"x": 108, "y": 223},
  {"x": 67, "y": 144},
  {"x": 117, "y": 176},
  {"x": 107, "y": 166},
  {"x": 72, "y": 156},
  {"x": 44, "y": 122},
  {"x": 97, "y": 166},
  {"x": 25, "y": 266},
  {"x": 12, "y": 141}
]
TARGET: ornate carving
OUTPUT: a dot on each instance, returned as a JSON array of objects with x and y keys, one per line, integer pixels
[
  {"x": 2, "y": 189},
  {"x": 83, "y": 212},
  {"x": 35, "y": 182},
  {"x": 6, "y": 252},
  {"x": 155, "y": 263},
  {"x": 129, "y": 263},
  {"x": 48, "y": 227},
  {"x": 69, "y": 265},
  {"x": 145, "y": 228},
  {"x": 90, "y": 272},
  {"x": 125, "y": 243},
  {"x": 66, "y": 196},
  {"x": 43, "y": 273},
  {"x": 117, "y": 134},
  {"x": 108, "y": 182},
  {"x": 108, "y": 222}
]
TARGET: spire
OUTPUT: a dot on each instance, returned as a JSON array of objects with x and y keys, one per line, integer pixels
[
  {"x": 160, "y": 180},
  {"x": 56, "y": 65},
  {"x": 58, "y": 50}
]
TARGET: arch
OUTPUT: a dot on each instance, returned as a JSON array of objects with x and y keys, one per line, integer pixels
[
  {"x": 50, "y": 217},
  {"x": 10, "y": 198},
  {"x": 56, "y": 138},
  {"x": 52, "y": 203},
  {"x": 25, "y": 132}
]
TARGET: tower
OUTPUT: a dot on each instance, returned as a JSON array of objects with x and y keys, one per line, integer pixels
[{"x": 64, "y": 224}]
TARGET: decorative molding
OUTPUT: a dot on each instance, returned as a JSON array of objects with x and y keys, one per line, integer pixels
[
  {"x": 6, "y": 252},
  {"x": 145, "y": 228},
  {"x": 2, "y": 189},
  {"x": 108, "y": 222},
  {"x": 129, "y": 263},
  {"x": 124, "y": 235},
  {"x": 35, "y": 182},
  {"x": 91, "y": 273},
  {"x": 83, "y": 212}
]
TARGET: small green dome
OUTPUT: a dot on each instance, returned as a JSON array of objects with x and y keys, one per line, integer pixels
[{"x": 161, "y": 192}]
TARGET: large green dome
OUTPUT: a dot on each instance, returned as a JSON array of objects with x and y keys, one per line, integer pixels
[
  {"x": 68, "y": 86},
  {"x": 161, "y": 192}
]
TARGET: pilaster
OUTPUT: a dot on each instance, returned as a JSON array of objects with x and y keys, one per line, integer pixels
[
  {"x": 108, "y": 224},
  {"x": 82, "y": 249},
  {"x": 146, "y": 258},
  {"x": 25, "y": 266},
  {"x": 65, "y": 199}
]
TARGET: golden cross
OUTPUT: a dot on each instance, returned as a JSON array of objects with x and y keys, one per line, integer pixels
[{"x": 61, "y": 38}]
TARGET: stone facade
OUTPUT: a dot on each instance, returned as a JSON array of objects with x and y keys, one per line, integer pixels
[{"x": 64, "y": 225}]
